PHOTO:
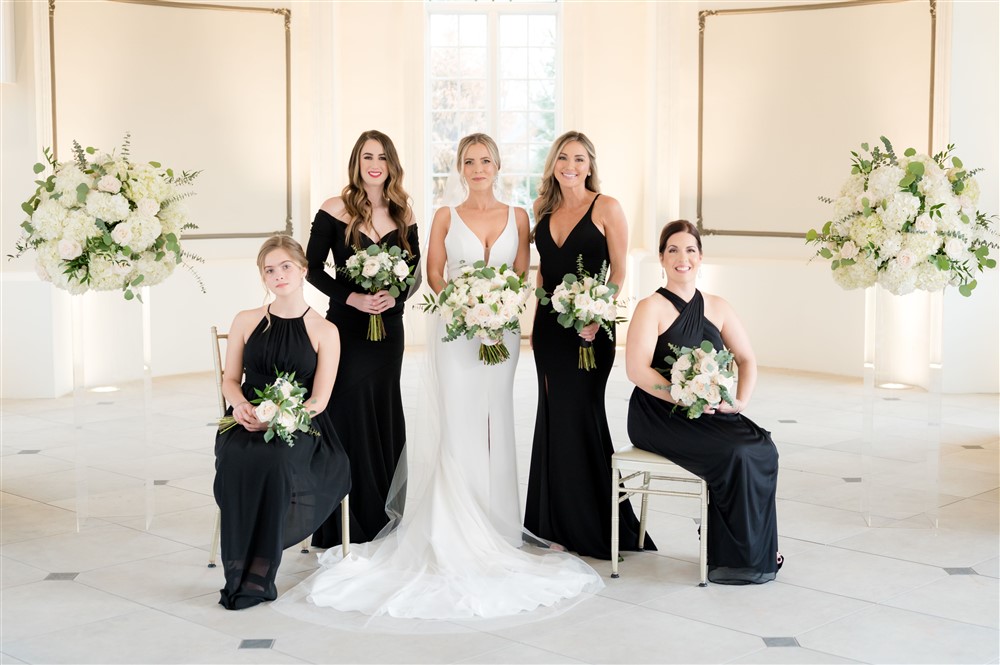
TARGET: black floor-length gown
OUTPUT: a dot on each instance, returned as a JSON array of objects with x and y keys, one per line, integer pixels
[
  {"x": 569, "y": 483},
  {"x": 734, "y": 455},
  {"x": 366, "y": 405},
  {"x": 272, "y": 495}
]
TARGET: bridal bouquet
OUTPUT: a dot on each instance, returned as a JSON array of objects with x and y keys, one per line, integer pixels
[
  {"x": 380, "y": 268},
  {"x": 103, "y": 222},
  {"x": 700, "y": 378},
  {"x": 282, "y": 406},
  {"x": 582, "y": 299},
  {"x": 482, "y": 302},
  {"x": 907, "y": 223}
]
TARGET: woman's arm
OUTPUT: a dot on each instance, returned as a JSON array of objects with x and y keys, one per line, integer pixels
[
  {"x": 327, "y": 363},
  {"x": 735, "y": 337},
  {"x": 232, "y": 377},
  {"x": 523, "y": 257},
  {"x": 437, "y": 256},
  {"x": 322, "y": 240},
  {"x": 643, "y": 331},
  {"x": 612, "y": 218}
]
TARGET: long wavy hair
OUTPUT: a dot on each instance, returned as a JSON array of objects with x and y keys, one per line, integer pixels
[
  {"x": 356, "y": 201},
  {"x": 549, "y": 194},
  {"x": 294, "y": 249}
]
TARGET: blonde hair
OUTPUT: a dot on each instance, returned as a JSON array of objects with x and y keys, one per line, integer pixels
[
  {"x": 295, "y": 251},
  {"x": 356, "y": 201},
  {"x": 549, "y": 194},
  {"x": 477, "y": 139}
]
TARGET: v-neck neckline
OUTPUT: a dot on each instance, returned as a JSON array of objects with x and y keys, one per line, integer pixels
[
  {"x": 486, "y": 250},
  {"x": 575, "y": 226}
]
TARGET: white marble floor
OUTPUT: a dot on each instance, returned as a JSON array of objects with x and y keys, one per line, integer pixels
[{"x": 110, "y": 590}]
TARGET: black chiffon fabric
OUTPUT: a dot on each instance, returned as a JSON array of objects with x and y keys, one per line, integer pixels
[
  {"x": 569, "y": 483},
  {"x": 272, "y": 495},
  {"x": 366, "y": 406},
  {"x": 734, "y": 455}
]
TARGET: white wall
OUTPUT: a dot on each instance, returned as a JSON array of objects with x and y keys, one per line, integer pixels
[{"x": 630, "y": 83}]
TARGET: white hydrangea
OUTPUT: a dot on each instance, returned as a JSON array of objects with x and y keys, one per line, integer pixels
[
  {"x": 154, "y": 271},
  {"x": 144, "y": 231},
  {"x": 900, "y": 209},
  {"x": 109, "y": 207},
  {"x": 921, "y": 245},
  {"x": 48, "y": 219},
  {"x": 80, "y": 226},
  {"x": 859, "y": 275},
  {"x": 930, "y": 278},
  {"x": 883, "y": 183},
  {"x": 68, "y": 178}
]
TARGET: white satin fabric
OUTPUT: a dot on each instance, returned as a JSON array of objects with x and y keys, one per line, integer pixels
[{"x": 457, "y": 552}]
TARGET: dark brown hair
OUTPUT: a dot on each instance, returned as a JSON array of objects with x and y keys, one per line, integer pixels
[
  {"x": 679, "y": 226},
  {"x": 356, "y": 202}
]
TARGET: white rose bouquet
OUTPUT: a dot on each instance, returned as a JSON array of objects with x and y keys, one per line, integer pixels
[
  {"x": 378, "y": 268},
  {"x": 582, "y": 299},
  {"x": 282, "y": 406},
  {"x": 103, "y": 222},
  {"x": 482, "y": 302},
  {"x": 907, "y": 223},
  {"x": 700, "y": 378}
]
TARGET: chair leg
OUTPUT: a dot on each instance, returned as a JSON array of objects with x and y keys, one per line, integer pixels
[
  {"x": 703, "y": 559},
  {"x": 642, "y": 511},
  {"x": 615, "y": 476},
  {"x": 345, "y": 526},
  {"x": 304, "y": 546},
  {"x": 215, "y": 539}
]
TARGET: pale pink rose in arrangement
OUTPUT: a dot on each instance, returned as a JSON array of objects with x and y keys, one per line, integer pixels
[
  {"x": 69, "y": 249},
  {"x": 266, "y": 411},
  {"x": 147, "y": 207},
  {"x": 371, "y": 267},
  {"x": 401, "y": 270},
  {"x": 122, "y": 234},
  {"x": 109, "y": 184}
]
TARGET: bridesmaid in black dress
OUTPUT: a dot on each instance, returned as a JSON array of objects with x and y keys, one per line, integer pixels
[
  {"x": 734, "y": 455},
  {"x": 569, "y": 495},
  {"x": 366, "y": 406},
  {"x": 272, "y": 495}
]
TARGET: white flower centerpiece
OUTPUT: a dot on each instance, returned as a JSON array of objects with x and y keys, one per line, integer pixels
[
  {"x": 481, "y": 303},
  {"x": 907, "y": 223},
  {"x": 102, "y": 222}
]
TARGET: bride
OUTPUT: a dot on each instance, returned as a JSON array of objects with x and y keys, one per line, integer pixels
[{"x": 457, "y": 550}]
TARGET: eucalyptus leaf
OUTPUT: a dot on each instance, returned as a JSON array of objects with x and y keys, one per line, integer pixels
[
  {"x": 909, "y": 152},
  {"x": 956, "y": 162},
  {"x": 39, "y": 167},
  {"x": 81, "y": 192},
  {"x": 916, "y": 168},
  {"x": 394, "y": 291}
]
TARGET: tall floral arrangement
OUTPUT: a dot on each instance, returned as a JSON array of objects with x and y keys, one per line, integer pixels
[
  {"x": 907, "y": 222},
  {"x": 103, "y": 222}
]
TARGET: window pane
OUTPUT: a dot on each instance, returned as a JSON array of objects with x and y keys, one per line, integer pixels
[
  {"x": 542, "y": 95},
  {"x": 472, "y": 30},
  {"x": 444, "y": 30},
  {"x": 472, "y": 122},
  {"x": 473, "y": 94},
  {"x": 543, "y": 126},
  {"x": 537, "y": 153},
  {"x": 514, "y": 190},
  {"x": 472, "y": 62},
  {"x": 444, "y": 126},
  {"x": 542, "y": 30},
  {"x": 514, "y": 95},
  {"x": 444, "y": 62},
  {"x": 513, "y": 31},
  {"x": 444, "y": 94},
  {"x": 437, "y": 190},
  {"x": 542, "y": 63},
  {"x": 513, "y": 63},
  {"x": 514, "y": 157},
  {"x": 513, "y": 127},
  {"x": 444, "y": 154}
]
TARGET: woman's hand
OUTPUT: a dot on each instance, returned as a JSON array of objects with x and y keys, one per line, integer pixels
[
  {"x": 726, "y": 407},
  {"x": 246, "y": 416},
  {"x": 374, "y": 303},
  {"x": 589, "y": 332}
]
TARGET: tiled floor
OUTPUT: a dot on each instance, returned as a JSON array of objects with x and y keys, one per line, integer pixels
[{"x": 115, "y": 591}]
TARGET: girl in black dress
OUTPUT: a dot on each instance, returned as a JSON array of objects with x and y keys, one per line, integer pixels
[
  {"x": 569, "y": 496},
  {"x": 366, "y": 406},
  {"x": 734, "y": 455},
  {"x": 272, "y": 495}
]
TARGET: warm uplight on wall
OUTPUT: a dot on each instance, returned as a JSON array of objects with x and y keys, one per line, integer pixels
[
  {"x": 8, "y": 72},
  {"x": 105, "y": 389}
]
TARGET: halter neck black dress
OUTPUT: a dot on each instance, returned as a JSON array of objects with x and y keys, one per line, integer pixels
[
  {"x": 734, "y": 455},
  {"x": 569, "y": 483},
  {"x": 272, "y": 495},
  {"x": 366, "y": 405}
]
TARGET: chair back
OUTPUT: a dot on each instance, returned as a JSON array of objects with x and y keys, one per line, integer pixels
[{"x": 217, "y": 355}]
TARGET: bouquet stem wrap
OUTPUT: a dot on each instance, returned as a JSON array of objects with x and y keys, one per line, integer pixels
[
  {"x": 376, "y": 328},
  {"x": 587, "y": 360}
]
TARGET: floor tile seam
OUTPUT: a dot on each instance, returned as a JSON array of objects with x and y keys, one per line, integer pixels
[
  {"x": 705, "y": 622},
  {"x": 143, "y": 558},
  {"x": 133, "y": 610},
  {"x": 835, "y": 544},
  {"x": 877, "y": 606},
  {"x": 626, "y": 606}
]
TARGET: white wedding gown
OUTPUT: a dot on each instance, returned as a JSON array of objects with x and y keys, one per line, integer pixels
[{"x": 457, "y": 551}]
